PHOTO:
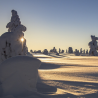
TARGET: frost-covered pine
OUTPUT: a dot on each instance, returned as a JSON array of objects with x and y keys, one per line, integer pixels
[
  {"x": 81, "y": 51},
  {"x": 93, "y": 46},
  {"x": 13, "y": 43},
  {"x": 77, "y": 52},
  {"x": 87, "y": 51},
  {"x": 70, "y": 50}
]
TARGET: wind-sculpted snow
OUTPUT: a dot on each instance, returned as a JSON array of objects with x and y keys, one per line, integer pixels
[
  {"x": 71, "y": 75},
  {"x": 64, "y": 76}
]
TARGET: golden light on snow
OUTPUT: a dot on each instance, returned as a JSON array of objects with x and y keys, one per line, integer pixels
[
  {"x": 22, "y": 39},
  {"x": 76, "y": 75}
]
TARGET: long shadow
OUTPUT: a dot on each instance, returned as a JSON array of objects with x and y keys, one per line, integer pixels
[
  {"x": 49, "y": 66},
  {"x": 77, "y": 65},
  {"x": 46, "y": 66},
  {"x": 57, "y": 56},
  {"x": 46, "y": 89},
  {"x": 75, "y": 83},
  {"x": 50, "y": 91},
  {"x": 93, "y": 95},
  {"x": 42, "y": 57}
]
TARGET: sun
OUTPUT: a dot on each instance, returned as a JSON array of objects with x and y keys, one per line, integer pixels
[{"x": 22, "y": 39}]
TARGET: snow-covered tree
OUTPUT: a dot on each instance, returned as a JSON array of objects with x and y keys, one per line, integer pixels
[{"x": 13, "y": 43}]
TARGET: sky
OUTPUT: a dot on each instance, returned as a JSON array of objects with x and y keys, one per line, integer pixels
[{"x": 53, "y": 23}]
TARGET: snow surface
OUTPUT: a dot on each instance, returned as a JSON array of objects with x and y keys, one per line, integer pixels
[
  {"x": 64, "y": 76},
  {"x": 18, "y": 76}
]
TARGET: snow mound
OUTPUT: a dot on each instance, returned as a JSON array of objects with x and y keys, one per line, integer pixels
[{"x": 18, "y": 76}]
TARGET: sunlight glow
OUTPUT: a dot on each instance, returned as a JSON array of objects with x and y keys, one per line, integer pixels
[{"x": 22, "y": 39}]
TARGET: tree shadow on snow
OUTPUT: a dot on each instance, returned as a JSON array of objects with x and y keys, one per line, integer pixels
[{"x": 49, "y": 66}]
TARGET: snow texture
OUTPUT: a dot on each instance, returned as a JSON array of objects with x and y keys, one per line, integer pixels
[
  {"x": 10, "y": 42},
  {"x": 63, "y": 76},
  {"x": 18, "y": 76}
]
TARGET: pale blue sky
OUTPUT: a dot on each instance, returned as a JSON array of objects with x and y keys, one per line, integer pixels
[{"x": 59, "y": 23}]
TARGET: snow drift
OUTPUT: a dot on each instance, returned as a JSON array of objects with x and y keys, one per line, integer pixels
[{"x": 18, "y": 76}]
